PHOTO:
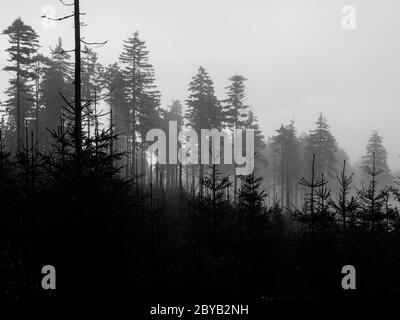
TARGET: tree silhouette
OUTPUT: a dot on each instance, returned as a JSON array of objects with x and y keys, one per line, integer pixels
[
  {"x": 323, "y": 144},
  {"x": 346, "y": 208},
  {"x": 376, "y": 149}
]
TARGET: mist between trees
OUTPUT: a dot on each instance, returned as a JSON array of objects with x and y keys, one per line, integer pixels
[
  {"x": 82, "y": 188},
  {"x": 210, "y": 148}
]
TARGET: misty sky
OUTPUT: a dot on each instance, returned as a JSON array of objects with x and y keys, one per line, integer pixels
[{"x": 298, "y": 59}]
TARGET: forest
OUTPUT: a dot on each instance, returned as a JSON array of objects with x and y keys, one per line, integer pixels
[{"x": 79, "y": 191}]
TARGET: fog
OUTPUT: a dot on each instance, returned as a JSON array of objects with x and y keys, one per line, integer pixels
[{"x": 298, "y": 59}]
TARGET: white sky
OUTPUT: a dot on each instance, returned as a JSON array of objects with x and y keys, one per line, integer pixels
[{"x": 298, "y": 59}]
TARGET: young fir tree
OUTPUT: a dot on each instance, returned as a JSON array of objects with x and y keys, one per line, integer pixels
[
  {"x": 323, "y": 144},
  {"x": 93, "y": 83},
  {"x": 24, "y": 44},
  {"x": 203, "y": 108},
  {"x": 376, "y": 149},
  {"x": 214, "y": 202}
]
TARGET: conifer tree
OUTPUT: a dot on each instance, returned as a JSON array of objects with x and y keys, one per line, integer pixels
[
  {"x": 216, "y": 184},
  {"x": 259, "y": 140},
  {"x": 235, "y": 108},
  {"x": 203, "y": 108},
  {"x": 57, "y": 79},
  {"x": 174, "y": 112},
  {"x": 310, "y": 213},
  {"x": 376, "y": 149},
  {"x": 24, "y": 44},
  {"x": 372, "y": 198},
  {"x": 141, "y": 93},
  {"x": 323, "y": 144},
  {"x": 345, "y": 206},
  {"x": 238, "y": 116},
  {"x": 5, "y": 164},
  {"x": 115, "y": 85}
]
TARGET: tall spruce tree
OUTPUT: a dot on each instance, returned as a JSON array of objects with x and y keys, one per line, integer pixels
[
  {"x": 141, "y": 93},
  {"x": 375, "y": 148},
  {"x": 24, "y": 44},
  {"x": 115, "y": 85},
  {"x": 323, "y": 144},
  {"x": 203, "y": 111},
  {"x": 174, "y": 112}
]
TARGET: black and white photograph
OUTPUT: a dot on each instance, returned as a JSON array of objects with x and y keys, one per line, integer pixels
[{"x": 200, "y": 159}]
